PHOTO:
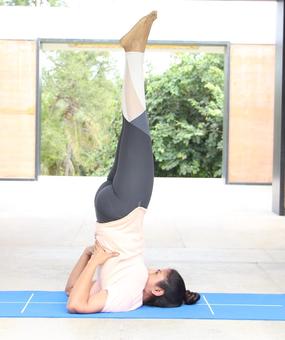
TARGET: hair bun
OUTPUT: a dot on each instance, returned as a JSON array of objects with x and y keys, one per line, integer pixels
[{"x": 191, "y": 297}]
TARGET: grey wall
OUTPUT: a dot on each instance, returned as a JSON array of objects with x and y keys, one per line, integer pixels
[{"x": 279, "y": 116}]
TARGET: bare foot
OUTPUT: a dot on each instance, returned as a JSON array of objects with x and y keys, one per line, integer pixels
[{"x": 136, "y": 38}]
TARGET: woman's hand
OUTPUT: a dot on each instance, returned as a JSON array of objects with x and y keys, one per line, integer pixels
[{"x": 101, "y": 255}]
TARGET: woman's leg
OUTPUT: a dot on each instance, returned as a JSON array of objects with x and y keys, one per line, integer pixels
[
  {"x": 114, "y": 166},
  {"x": 133, "y": 179},
  {"x": 130, "y": 181}
]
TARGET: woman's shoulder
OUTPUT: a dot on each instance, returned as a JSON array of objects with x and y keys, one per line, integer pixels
[{"x": 127, "y": 293}]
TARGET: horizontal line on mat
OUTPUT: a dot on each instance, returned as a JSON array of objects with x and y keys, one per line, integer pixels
[{"x": 200, "y": 304}]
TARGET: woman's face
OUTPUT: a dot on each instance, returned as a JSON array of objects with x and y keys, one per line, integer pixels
[{"x": 155, "y": 276}]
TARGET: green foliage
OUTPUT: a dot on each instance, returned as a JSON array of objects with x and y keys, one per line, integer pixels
[
  {"x": 80, "y": 114},
  {"x": 185, "y": 107},
  {"x": 51, "y": 3}
]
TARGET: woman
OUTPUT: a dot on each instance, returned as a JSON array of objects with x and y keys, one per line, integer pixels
[{"x": 124, "y": 283}]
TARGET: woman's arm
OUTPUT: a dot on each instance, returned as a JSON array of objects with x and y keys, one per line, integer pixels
[
  {"x": 79, "y": 266},
  {"x": 79, "y": 300}
]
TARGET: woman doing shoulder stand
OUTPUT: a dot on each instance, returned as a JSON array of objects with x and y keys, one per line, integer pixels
[{"x": 123, "y": 281}]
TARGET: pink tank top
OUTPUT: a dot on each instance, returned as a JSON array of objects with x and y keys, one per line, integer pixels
[{"x": 124, "y": 276}]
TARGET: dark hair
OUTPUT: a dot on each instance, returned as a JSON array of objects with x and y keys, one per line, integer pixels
[{"x": 175, "y": 292}]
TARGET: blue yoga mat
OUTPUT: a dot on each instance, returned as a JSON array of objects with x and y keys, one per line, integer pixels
[{"x": 52, "y": 304}]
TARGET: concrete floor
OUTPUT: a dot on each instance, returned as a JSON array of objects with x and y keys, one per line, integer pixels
[{"x": 222, "y": 238}]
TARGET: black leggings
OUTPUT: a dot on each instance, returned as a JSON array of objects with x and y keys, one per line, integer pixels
[{"x": 130, "y": 181}]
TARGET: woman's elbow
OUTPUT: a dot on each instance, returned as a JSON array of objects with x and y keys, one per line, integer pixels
[
  {"x": 76, "y": 307},
  {"x": 72, "y": 308},
  {"x": 68, "y": 290},
  {"x": 80, "y": 308},
  {"x": 72, "y": 304}
]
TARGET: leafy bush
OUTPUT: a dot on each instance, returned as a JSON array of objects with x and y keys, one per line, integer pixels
[
  {"x": 185, "y": 107},
  {"x": 81, "y": 115}
]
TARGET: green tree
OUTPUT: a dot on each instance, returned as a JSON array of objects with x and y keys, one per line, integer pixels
[
  {"x": 80, "y": 114},
  {"x": 185, "y": 107},
  {"x": 52, "y": 3}
]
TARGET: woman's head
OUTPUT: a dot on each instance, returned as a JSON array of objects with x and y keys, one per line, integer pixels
[{"x": 166, "y": 288}]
